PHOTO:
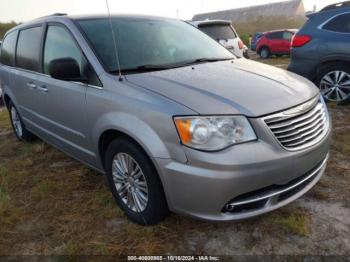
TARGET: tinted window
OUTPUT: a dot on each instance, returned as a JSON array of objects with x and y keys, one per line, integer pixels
[
  {"x": 153, "y": 42},
  {"x": 218, "y": 32},
  {"x": 8, "y": 49},
  {"x": 28, "y": 48},
  {"x": 340, "y": 24},
  {"x": 287, "y": 35},
  {"x": 60, "y": 43},
  {"x": 276, "y": 35}
]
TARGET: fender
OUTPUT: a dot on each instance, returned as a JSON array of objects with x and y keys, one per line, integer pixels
[{"x": 138, "y": 130}]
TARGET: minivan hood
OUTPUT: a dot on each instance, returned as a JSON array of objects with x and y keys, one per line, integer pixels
[{"x": 239, "y": 86}]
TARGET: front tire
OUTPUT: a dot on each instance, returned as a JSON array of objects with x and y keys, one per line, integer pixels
[
  {"x": 135, "y": 183},
  {"x": 17, "y": 124},
  {"x": 334, "y": 83}
]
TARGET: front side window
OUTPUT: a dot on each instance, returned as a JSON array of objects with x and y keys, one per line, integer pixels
[
  {"x": 60, "y": 44},
  {"x": 8, "y": 49},
  {"x": 144, "y": 41},
  {"x": 218, "y": 32},
  {"x": 276, "y": 35},
  {"x": 339, "y": 24},
  {"x": 28, "y": 48}
]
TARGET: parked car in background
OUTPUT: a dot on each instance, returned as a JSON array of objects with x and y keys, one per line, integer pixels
[
  {"x": 255, "y": 40},
  {"x": 276, "y": 42},
  {"x": 176, "y": 123},
  {"x": 321, "y": 52},
  {"x": 223, "y": 32}
]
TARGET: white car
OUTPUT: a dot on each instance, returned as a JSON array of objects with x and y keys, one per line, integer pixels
[{"x": 223, "y": 32}]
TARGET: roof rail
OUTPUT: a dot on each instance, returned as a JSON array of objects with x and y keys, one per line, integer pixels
[{"x": 336, "y": 6}]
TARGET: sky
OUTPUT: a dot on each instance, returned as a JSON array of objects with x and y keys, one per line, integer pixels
[{"x": 25, "y": 10}]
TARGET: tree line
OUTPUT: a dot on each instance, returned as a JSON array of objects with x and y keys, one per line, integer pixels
[{"x": 4, "y": 27}]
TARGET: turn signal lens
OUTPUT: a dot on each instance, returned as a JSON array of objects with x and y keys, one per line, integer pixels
[
  {"x": 214, "y": 133},
  {"x": 240, "y": 44},
  {"x": 183, "y": 127}
]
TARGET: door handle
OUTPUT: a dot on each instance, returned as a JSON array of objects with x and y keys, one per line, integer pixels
[
  {"x": 43, "y": 88},
  {"x": 31, "y": 85}
]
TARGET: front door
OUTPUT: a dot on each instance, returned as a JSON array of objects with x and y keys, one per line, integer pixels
[{"x": 66, "y": 104}]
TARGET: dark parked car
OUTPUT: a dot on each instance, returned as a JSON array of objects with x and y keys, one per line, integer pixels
[
  {"x": 321, "y": 53},
  {"x": 276, "y": 42},
  {"x": 255, "y": 40}
]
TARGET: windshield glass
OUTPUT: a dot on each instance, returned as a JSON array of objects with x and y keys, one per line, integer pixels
[{"x": 149, "y": 42}]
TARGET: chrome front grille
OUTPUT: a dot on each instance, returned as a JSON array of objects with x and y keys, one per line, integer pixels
[{"x": 300, "y": 127}]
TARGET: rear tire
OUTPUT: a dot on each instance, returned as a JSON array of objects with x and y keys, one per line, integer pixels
[
  {"x": 135, "y": 183},
  {"x": 333, "y": 80},
  {"x": 17, "y": 124},
  {"x": 265, "y": 53}
]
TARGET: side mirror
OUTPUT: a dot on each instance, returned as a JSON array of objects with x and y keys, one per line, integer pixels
[{"x": 66, "y": 69}]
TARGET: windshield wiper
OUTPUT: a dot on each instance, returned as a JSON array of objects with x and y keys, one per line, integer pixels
[
  {"x": 151, "y": 67},
  {"x": 207, "y": 60},
  {"x": 145, "y": 68}
]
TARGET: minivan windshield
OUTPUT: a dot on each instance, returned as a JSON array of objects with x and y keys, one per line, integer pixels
[{"x": 150, "y": 44}]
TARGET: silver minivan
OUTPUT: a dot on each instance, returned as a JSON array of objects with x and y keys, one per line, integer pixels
[{"x": 172, "y": 118}]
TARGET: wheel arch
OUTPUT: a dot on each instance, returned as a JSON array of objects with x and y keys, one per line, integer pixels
[
  {"x": 110, "y": 135},
  {"x": 333, "y": 61},
  {"x": 329, "y": 62},
  {"x": 117, "y": 124},
  {"x": 7, "y": 100},
  {"x": 263, "y": 46}
]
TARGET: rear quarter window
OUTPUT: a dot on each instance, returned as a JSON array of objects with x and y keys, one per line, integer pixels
[
  {"x": 218, "y": 32},
  {"x": 339, "y": 24},
  {"x": 28, "y": 48},
  {"x": 8, "y": 49}
]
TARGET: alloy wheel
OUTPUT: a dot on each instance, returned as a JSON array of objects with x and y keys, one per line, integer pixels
[
  {"x": 16, "y": 122},
  {"x": 130, "y": 182},
  {"x": 335, "y": 86}
]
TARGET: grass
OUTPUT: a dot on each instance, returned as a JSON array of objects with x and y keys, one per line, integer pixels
[
  {"x": 296, "y": 222},
  {"x": 69, "y": 210}
]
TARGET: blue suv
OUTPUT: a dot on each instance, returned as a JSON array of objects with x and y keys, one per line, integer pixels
[{"x": 320, "y": 51}]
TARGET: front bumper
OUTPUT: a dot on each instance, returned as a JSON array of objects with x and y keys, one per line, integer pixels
[{"x": 206, "y": 185}]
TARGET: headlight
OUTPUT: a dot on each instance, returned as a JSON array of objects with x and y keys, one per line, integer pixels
[{"x": 214, "y": 133}]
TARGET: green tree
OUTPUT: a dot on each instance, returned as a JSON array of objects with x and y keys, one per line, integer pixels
[{"x": 4, "y": 27}]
